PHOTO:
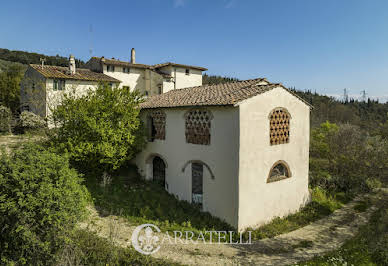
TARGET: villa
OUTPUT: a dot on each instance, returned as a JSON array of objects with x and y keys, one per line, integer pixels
[
  {"x": 43, "y": 85},
  {"x": 239, "y": 150}
]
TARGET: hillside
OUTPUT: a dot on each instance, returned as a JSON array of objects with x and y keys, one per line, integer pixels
[
  {"x": 34, "y": 58},
  {"x": 368, "y": 115},
  {"x": 4, "y": 65}
]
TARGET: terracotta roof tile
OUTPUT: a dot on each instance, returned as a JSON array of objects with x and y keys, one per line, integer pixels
[
  {"x": 81, "y": 74},
  {"x": 220, "y": 94},
  {"x": 178, "y": 65},
  {"x": 117, "y": 62},
  {"x": 212, "y": 95}
]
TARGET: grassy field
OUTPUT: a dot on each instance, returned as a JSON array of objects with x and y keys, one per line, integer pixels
[{"x": 145, "y": 202}]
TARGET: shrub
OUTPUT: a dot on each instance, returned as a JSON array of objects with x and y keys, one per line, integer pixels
[
  {"x": 87, "y": 248},
  {"x": 41, "y": 199},
  {"x": 5, "y": 119},
  {"x": 31, "y": 121},
  {"x": 344, "y": 159},
  {"x": 101, "y": 129}
]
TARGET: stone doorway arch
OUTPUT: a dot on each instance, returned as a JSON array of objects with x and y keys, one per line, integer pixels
[{"x": 156, "y": 169}]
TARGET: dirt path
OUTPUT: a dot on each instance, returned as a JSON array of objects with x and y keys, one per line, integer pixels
[{"x": 317, "y": 238}]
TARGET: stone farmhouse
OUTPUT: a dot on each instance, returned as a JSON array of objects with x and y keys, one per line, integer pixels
[
  {"x": 238, "y": 150},
  {"x": 42, "y": 85}
]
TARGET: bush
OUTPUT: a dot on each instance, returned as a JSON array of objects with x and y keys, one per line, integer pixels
[
  {"x": 343, "y": 158},
  {"x": 89, "y": 249},
  {"x": 31, "y": 121},
  {"x": 5, "y": 119},
  {"x": 101, "y": 130},
  {"x": 41, "y": 199}
]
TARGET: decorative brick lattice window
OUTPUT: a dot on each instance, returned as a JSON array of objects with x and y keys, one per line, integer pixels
[
  {"x": 157, "y": 125},
  {"x": 279, "y": 171},
  {"x": 198, "y": 126},
  {"x": 279, "y": 126}
]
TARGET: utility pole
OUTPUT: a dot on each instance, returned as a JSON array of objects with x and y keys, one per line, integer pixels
[
  {"x": 346, "y": 95},
  {"x": 91, "y": 40},
  {"x": 363, "y": 96}
]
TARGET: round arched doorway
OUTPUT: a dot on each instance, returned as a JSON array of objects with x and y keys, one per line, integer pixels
[{"x": 159, "y": 171}]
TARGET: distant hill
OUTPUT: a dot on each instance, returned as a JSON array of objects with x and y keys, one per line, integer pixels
[
  {"x": 34, "y": 58},
  {"x": 4, "y": 65}
]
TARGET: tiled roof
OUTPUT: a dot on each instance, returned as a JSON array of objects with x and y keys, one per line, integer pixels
[
  {"x": 178, "y": 65},
  {"x": 220, "y": 94},
  {"x": 117, "y": 62},
  {"x": 212, "y": 95},
  {"x": 81, "y": 73},
  {"x": 164, "y": 75}
]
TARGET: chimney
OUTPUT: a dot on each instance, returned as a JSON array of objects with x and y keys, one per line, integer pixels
[
  {"x": 133, "y": 54},
  {"x": 72, "y": 65}
]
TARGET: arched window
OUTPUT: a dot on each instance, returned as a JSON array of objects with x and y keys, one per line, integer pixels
[
  {"x": 156, "y": 124},
  {"x": 198, "y": 124},
  {"x": 279, "y": 124},
  {"x": 279, "y": 171}
]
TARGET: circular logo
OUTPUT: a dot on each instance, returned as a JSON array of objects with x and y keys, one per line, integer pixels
[{"x": 144, "y": 240}]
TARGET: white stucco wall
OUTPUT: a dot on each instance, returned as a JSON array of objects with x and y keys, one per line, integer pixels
[
  {"x": 71, "y": 86},
  {"x": 167, "y": 86},
  {"x": 146, "y": 80},
  {"x": 220, "y": 194},
  {"x": 259, "y": 202},
  {"x": 135, "y": 79},
  {"x": 183, "y": 81}
]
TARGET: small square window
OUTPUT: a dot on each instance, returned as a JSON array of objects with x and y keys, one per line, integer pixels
[
  {"x": 160, "y": 89},
  {"x": 55, "y": 87},
  {"x": 187, "y": 71},
  {"x": 125, "y": 69},
  {"x": 110, "y": 68},
  {"x": 59, "y": 84}
]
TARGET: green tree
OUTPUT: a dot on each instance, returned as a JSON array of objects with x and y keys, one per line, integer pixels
[
  {"x": 101, "y": 129},
  {"x": 41, "y": 200},
  {"x": 10, "y": 87},
  {"x": 5, "y": 120},
  {"x": 344, "y": 158}
]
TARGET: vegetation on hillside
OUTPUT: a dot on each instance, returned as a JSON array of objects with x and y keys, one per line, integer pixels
[
  {"x": 369, "y": 247},
  {"x": 213, "y": 79},
  {"x": 41, "y": 200},
  {"x": 6, "y": 64},
  {"x": 10, "y": 86},
  {"x": 369, "y": 115},
  {"x": 100, "y": 130},
  {"x": 34, "y": 58}
]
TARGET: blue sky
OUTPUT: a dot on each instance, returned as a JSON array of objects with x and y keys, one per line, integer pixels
[{"x": 314, "y": 44}]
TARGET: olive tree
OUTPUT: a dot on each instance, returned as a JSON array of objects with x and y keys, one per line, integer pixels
[{"x": 100, "y": 129}]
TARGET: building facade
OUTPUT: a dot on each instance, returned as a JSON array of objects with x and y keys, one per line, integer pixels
[
  {"x": 43, "y": 86},
  {"x": 148, "y": 79},
  {"x": 239, "y": 150}
]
